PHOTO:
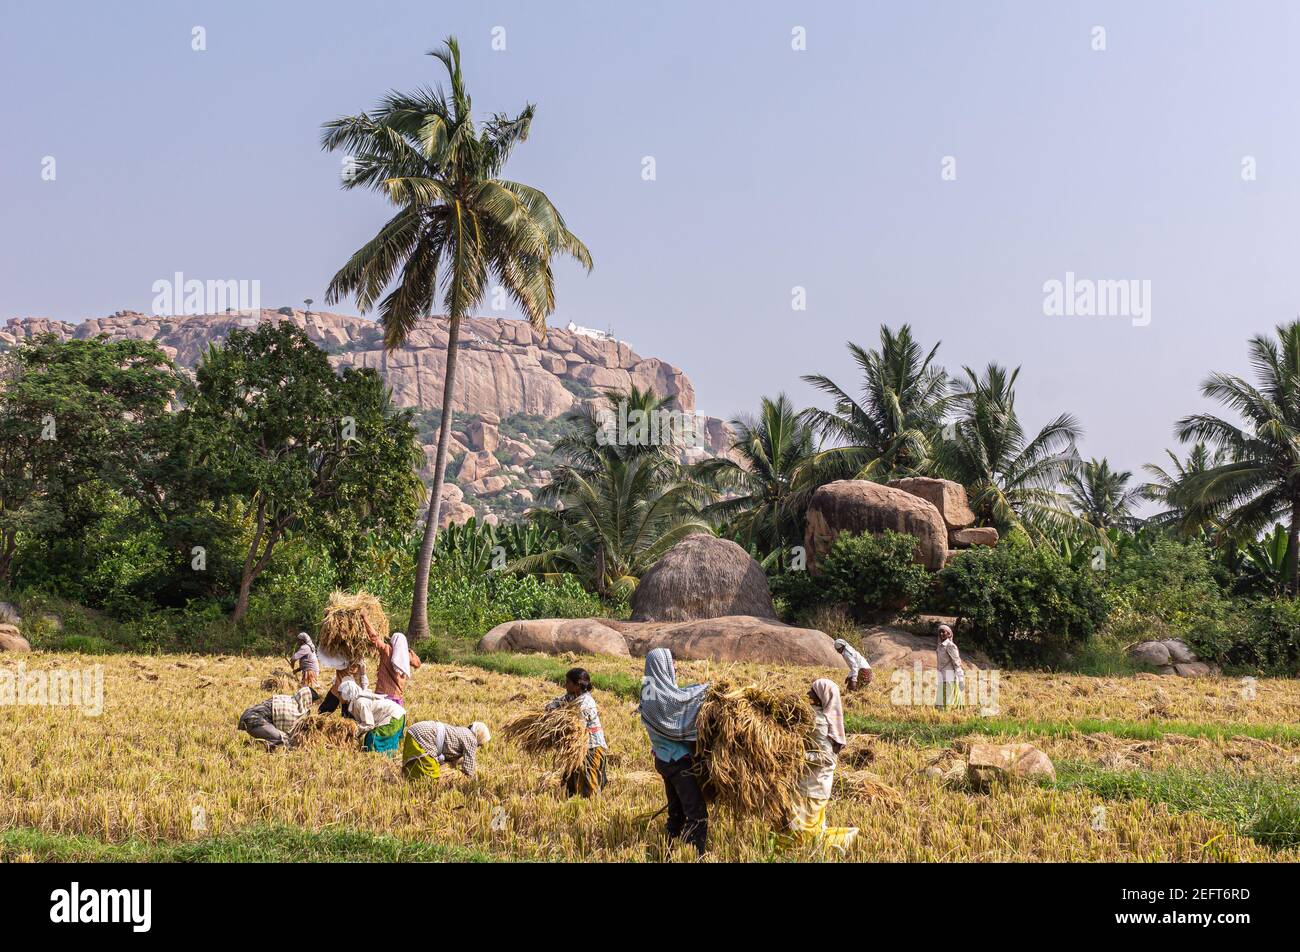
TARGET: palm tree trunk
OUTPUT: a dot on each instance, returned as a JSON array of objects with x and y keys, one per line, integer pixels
[
  {"x": 419, "y": 624},
  {"x": 1293, "y": 552}
]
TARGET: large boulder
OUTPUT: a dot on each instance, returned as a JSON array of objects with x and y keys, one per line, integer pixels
[
  {"x": 994, "y": 762},
  {"x": 888, "y": 647},
  {"x": 11, "y": 640},
  {"x": 1171, "y": 656},
  {"x": 856, "y": 505},
  {"x": 733, "y": 638},
  {"x": 967, "y": 538},
  {"x": 555, "y": 636},
  {"x": 702, "y": 577},
  {"x": 945, "y": 495}
]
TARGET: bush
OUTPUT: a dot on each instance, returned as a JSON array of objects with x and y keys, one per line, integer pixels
[
  {"x": 1022, "y": 604},
  {"x": 1262, "y": 636},
  {"x": 872, "y": 573},
  {"x": 467, "y": 606}
]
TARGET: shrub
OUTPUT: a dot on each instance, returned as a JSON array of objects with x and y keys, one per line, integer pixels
[
  {"x": 872, "y": 573},
  {"x": 1261, "y": 636},
  {"x": 467, "y": 605},
  {"x": 1022, "y": 604}
]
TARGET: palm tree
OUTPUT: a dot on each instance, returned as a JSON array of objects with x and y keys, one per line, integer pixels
[
  {"x": 1260, "y": 481},
  {"x": 1102, "y": 496},
  {"x": 457, "y": 224},
  {"x": 769, "y": 491},
  {"x": 891, "y": 430},
  {"x": 1012, "y": 479},
  {"x": 1166, "y": 488}
]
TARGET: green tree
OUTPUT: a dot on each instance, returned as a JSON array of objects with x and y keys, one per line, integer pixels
[
  {"x": 1013, "y": 479},
  {"x": 1102, "y": 496},
  {"x": 1166, "y": 487},
  {"x": 71, "y": 413},
  {"x": 294, "y": 446},
  {"x": 1259, "y": 483},
  {"x": 767, "y": 490},
  {"x": 458, "y": 225},
  {"x": 890, "y": 431}
]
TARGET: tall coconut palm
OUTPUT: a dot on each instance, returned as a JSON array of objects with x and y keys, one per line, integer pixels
[
  {"x": 1166, "y": 488},
  {"x": 1102, "y": 496},
  {"x": 458, "y": 224},
  {"x": 890, "y": 431},
  {"x": 1013, "y": 479},
  {"x": 770, "y": 455},
  {"x": 1260, "y": 481}
]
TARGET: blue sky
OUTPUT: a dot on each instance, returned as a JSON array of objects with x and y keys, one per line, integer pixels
[{"x": 775, "y": 168}]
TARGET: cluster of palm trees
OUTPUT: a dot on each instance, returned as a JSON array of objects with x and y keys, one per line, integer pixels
[{"x": 616, "y": 508}]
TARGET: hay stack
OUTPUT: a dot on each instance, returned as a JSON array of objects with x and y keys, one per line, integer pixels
[
  {"x": 864, "y": 785},
  {"x": 341, "y": 631},
  {"x": 280, "y": 682},
  {"x": 321, "y": 730},
  {"x": 560, "y": 733},
  {"x": 702, "y": 577},
  {"x": 751, "y": 748}
]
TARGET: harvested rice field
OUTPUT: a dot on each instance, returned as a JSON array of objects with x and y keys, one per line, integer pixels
[{"x": 1147, "y": 770}]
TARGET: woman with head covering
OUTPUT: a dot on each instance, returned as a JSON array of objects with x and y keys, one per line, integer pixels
[
  {"x": 380, "y": 718},
  {"x": 396, "y": 660},
  {"x": 430, "y": 744},
  {"x": 808, "y": 823},
  {"x": 952, "y": 679},
  {"x": 668, "y": 713},
  {"x": 859, "y": 667},
  {"x": 589, "y": 779},
  {"x": 304, "y": 660}
]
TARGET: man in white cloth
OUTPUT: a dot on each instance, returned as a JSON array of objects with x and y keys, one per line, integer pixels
[
  {"x": 859, "y": 667},
  {"x": 952, "y": 679}
]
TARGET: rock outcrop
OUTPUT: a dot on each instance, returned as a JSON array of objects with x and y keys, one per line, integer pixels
[
  {"x": 856, "y": 505},
  {"x": 949, "y": 498},
  {"x": 1171, "y": 657},
  {"x": 702, "y": 577},
  {"x": 11, "y": 640},
  {"x": 887, "y": 647},
  {"x": 556, "y": 636}
]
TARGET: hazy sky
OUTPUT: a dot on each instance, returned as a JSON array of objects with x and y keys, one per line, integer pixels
[{"x": 775, "y": 168}]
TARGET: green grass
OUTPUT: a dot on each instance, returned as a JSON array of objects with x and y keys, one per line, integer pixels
[
  {"x": 930, "y": 734},
  {"x": 1263, "y": 808},
  {"x": 551, "y": 669},
  {"x": 275, "y": 844}
]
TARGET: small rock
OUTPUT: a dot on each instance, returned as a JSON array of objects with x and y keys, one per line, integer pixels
[{"x": 989, "y": 763}]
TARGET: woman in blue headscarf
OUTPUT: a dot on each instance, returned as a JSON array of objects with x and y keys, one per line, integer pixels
[{"x": 668, "y": 713}]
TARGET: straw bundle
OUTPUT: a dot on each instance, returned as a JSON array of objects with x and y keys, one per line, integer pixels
[
  {"x": 751, "y": 748},
  {"x": 321, "y": 730},
  {"x": 280, "y": 682},
  {"x": 864, "y": 785},
  {"x": 342, "y": 632},
  {"x": 560, "y": 733}
]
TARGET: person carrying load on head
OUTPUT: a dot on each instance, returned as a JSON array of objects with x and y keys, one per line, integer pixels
[
  {"x": 273, "y": 720},
  {"x": 859, "y": 667},
  {"x": 590, "y": 778},
  {"x": 668, "y": 713},
  {"x": 429, "y": 745},
  {"x": 381, "y": 718},
  {"x": 396, "y": 660}
]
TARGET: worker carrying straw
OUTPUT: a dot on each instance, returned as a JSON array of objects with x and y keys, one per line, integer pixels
[
  {"x": 669, "y": 713},
  {"x": 274, "y": 719},
  {"x": 952, "y": 679},
  {"x": 305, "y": 663},
  {"x": 429, "y": 745},
  {"x": 396, "y": 660},
  {"x": 590, "y": 778},
  {"x": 345, "y": 671},
  {"x": 381, "y": 718},
  {"x": 808, "y": 821},
  {"x": 859, "y": 667}
]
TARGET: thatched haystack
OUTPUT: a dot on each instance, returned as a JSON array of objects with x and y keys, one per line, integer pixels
[
  {"x": 702, "y": 577},
  {"x": 751, "y": 748},
  {"x": 322, "y": 730},
  {"x": 341, "y": 630},
  {"x": 560, "y": 734}
]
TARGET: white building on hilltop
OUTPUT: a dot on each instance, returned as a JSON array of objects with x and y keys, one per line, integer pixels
[{"x": 573, "y": 328}]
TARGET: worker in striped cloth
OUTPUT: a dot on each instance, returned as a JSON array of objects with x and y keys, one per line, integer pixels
[
  {"x": 274, "y": 719},
  {"x": 429, "y": 745}
]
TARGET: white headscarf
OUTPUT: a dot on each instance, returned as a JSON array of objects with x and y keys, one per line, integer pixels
[
  {"x": 401, "y": 653},
  {"x": 481, "y": 733}
]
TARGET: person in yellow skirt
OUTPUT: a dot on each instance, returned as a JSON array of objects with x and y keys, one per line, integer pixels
[
  {"x": 429, "y": 745},
  {"x": 808, "y": 822}
]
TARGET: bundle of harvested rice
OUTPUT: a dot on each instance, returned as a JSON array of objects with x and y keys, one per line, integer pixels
[
  {"x": 560, "y": 733},
  {"x": 864, "y": 785},
  {"x": 751, "y": 748},
  {"x": 280, "y": 682},
  {"x": 321, "y": 730},
  {"x": 342, "y": 631}
]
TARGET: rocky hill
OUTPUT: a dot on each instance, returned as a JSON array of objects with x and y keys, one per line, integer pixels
[{"x": 512, "y": 385}]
